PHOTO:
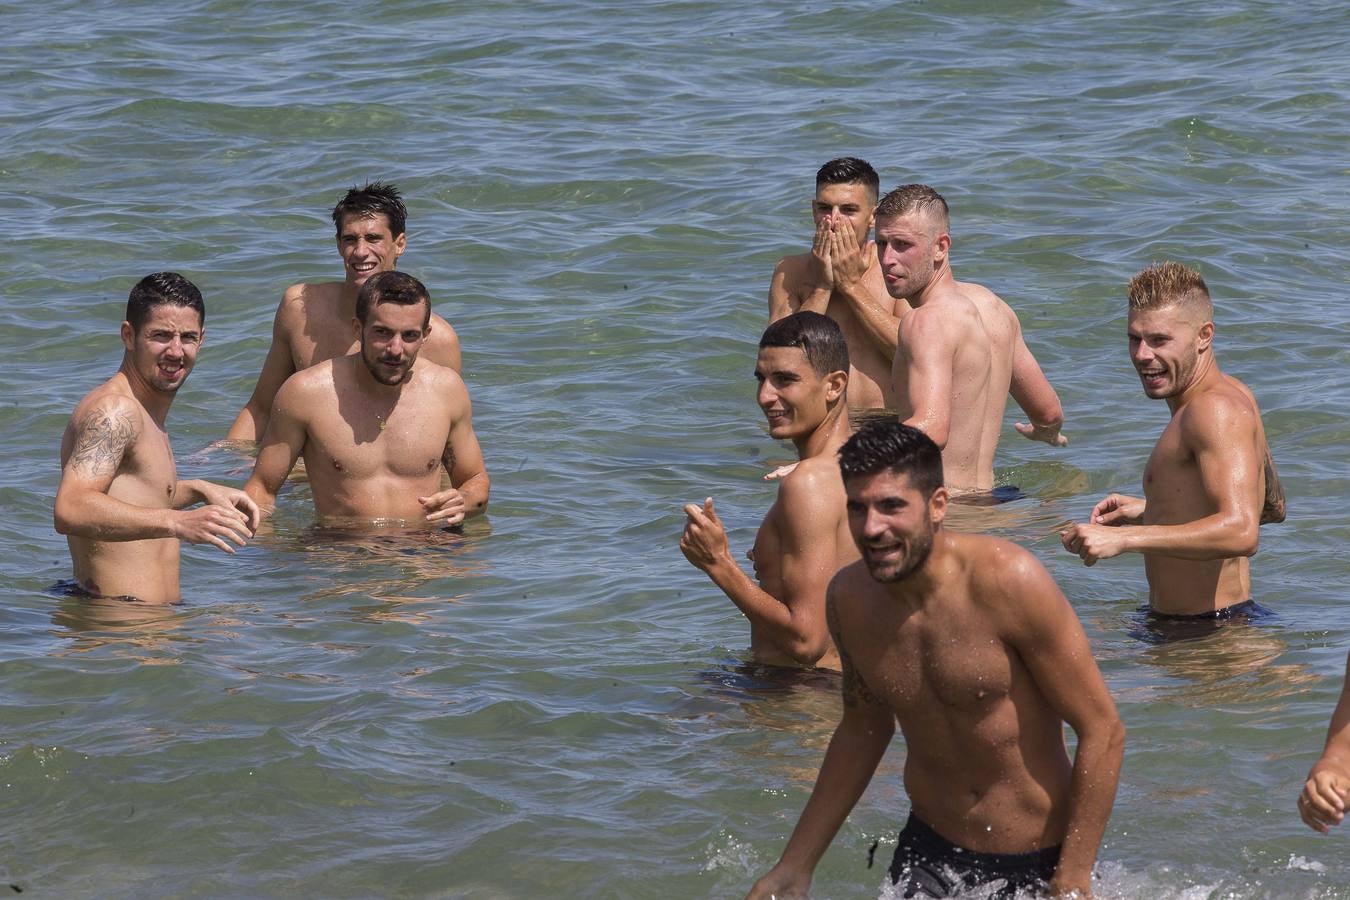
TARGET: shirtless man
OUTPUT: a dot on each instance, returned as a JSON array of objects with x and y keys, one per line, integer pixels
[
  {"x": 802, "y": 371},
  {"x": 1211, "y": 480},
  {"x": 840, "y": 278},
  {"x": 313, "y": 320},
  {"x": 120, "y": 503},
  {"x": 1326, "y": 793},
  {"x": 377, "y": 427},
  {"x": 961, "y": 351},
  {"x": 968, "y": 644}
]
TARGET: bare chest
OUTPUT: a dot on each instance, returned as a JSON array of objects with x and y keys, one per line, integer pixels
[
  {"x": 361, "y": 441},
  {"x": 1172, "y": 487},
  {"x": 933, "y": 665}
]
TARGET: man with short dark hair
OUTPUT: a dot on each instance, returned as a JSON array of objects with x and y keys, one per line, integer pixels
[
  {"x": 840, "y": 278},
  {"x": 802, "y": 370},
  {"x": 960, "y": 351},
  {"x": 1210, "y": 481},
  {"x": 377, "y": 427},
  {"x": 312, "y": 321},
  {"x": 968, "y": 644},
  {"x": 120, "y": 503}
]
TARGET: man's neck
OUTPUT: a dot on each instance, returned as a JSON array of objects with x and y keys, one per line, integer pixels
[
  {"x": 938, "y": 286},
  {"x": 153, "y": 401},
  {"x": 828, "y": 436},
  {"x": 1207, "y": 375}
]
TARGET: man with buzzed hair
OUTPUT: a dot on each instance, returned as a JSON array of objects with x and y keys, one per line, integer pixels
[
  {"x": 120, "y": 503},
  {"x": 377, "y": 427},
  {"x": 960, "y": 351},
  {"x": 840, "y": 278},
  {"x": 1210, "y": 482},
  {"x": 802, "y": 370},
  {"x": 313, "y": 320},
  {"x": 966, "y": 642}
]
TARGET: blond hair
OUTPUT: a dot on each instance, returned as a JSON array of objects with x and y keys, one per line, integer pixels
[
  {"x": 1167, "y": 284},
  {"x": 908, "y": 198}
]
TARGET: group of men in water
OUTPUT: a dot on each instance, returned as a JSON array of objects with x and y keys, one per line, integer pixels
[
  {"x": 964, "y": 640},
  {"x": 385, "y": 430}
]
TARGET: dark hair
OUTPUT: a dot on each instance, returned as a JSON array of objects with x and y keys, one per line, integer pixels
[
  {"x": 816, "y": 335},
  {"x": 375, "y": 197},
  {"x": 392, "y": 287},
  {"x": 908, "y": 198},
  {"x": 159, "y": 289},
  {"x": 889, "y": 445},
  {"x": 850, "y": 170}
]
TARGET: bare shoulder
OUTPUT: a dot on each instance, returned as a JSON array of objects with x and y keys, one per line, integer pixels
[
  {"x": 935, "y": 322},
  {"x": 299, "y": 301},
  {"x": 1216, "y": 413},
  {"x": 103, "y": 426},
  {"x": 848, "y": 587},
  {"x": 788, "y": 274},
  {"x": 815, "y": 482},
  {"x": 998, "y": 569},
  {"x": 306, "y": 383}
]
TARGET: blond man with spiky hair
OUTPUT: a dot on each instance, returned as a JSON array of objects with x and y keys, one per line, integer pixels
[{"x": 1210, "y": 481}]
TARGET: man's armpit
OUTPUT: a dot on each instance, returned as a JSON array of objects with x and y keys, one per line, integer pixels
[{"x": 102, "y": 439}]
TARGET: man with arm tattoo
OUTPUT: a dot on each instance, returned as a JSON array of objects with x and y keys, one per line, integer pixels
[
  {"x": 967, "y": 644},
  {"x": 379, "y": 427},
  {"x": 120, "y": 503}
]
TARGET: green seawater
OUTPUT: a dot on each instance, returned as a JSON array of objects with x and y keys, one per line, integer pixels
[{"x": 546, "y": 706}]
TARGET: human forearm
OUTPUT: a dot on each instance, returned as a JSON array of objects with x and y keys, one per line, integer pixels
[
  {"x": 1214, "y": 537},
  {"x": 880, "y": 324},
  {"x": 1092, "y": 793},
  {"x": 768, "y": 616},
  {"x": 475, "y": 493},
  {"x": 852, "y": 757},
  {"x": 98, "y": 517},
  {"x": 250, "y": 424}
]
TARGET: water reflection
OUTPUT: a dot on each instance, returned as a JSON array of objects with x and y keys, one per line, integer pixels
[{"x": 147, "y": 631}]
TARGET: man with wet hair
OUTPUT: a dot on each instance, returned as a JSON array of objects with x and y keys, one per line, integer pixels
[
  {"x": 960, "y": 351},
  {"x": 1326, "y": 793},
  {"x": 377, "y": 427},
  {"x": 968, "y": 644},
  {"x": 120, "y": 503},
  {"x": 802, "y": 370},
  {"x": 312, "y": 321},
  {"x": 840, "y": 278},
  {"x": 1210, "y": 481}
]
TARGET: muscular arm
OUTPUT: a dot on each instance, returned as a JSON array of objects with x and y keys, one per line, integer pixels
[
  {"x": 1323, "y": 800},
  {"x": 463, "y": 460},
  {"x": 1048, "y": 638},
  {"x": 1272, "y": 510},
  {"x": 104, "y": 436},
  {"x": 252, "y": 420},
  {"x": 788, "y": 295},
  {"x": 926, "y": 356},
  {"x": 282, "y": 443},
  {"x": 1033, "y": 393},
  {"x": 860, "y": 740},
  {"x": 875, "y": 309},
  {"x": 795, "y": 621}
]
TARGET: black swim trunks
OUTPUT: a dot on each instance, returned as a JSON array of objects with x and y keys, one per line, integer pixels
[
  {"x": 928, "y": 865},
  {"x": 1165, "y": 628}
]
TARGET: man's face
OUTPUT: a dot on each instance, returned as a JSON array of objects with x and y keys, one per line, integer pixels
[
  {"x": 164, "y": 349},
  {"x": 391, "y": 339},
  {"x": 793, "y": 397},
  {"x": 1165, "y": 347},
  {"x": 847, "y": 206},
  {"x": 892, "y": 524},
  {"x": 911, "y": 249},
  {"x": 368, "y": 246}
]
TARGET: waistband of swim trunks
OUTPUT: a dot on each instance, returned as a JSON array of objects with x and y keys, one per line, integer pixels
[
  {"x": 1244, "y": 608},
  {"x": 925, "y": 841}
]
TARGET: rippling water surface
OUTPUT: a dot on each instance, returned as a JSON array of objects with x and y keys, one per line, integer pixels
[{"x": 547, "y": 704}]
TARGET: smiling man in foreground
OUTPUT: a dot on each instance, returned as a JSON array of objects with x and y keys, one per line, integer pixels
[
  {"x": 968, "y": 644},
  {"x": 377, "y": 428}
]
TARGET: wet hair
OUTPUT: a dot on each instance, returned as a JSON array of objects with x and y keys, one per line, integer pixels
[
  {"x": 908, "y": 198},
  {"x": 159, "y": 289},
  {"x": 375, "y": 197},
  {"x": 816, "y": 335},
  {"x": 850, "y": 170},
  {"x": 1170, "y": 284},
  {"x": 889, "y": 445},
  {"x": 392, "y": 287}
]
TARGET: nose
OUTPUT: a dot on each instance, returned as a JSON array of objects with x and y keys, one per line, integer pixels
[
  {"x": 766, "y": 394},
  {"x": 1140, "y": 352},
  {"x": 874, "y": 525}
]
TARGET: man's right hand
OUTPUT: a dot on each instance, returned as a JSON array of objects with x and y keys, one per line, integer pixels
[
  {"x": 780, "y": 884},
  {"x": 211, "y": 524},
  {"x": 821, "y": 270},
  {"x": 1323, "y": 800},
  {"x": 1117, "y": 509}
]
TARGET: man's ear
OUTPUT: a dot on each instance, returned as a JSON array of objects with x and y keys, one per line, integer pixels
[
  {"x": 128, "y": 335},
  {"x": 836, "y": 383},
  {"x": 400, "y": 244},
  {"x": 1205, "y": 336},
  {"x": 356, "y": 327},
  {"x": 937, "y": 506}
]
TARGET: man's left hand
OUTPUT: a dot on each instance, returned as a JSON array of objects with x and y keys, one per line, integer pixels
[
  {"x": 849, "y": 258},
  {"x": 705, "y": 540},
  {"x": 446, "y": 507},
  {"x": 1093, "y": 542},
  {"x": 219, "y": 495},
  {"x": 1047, "y": 433}
]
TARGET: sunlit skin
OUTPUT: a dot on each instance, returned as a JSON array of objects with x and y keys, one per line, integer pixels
[
  {"x": 840, "y": 278},
  {"x": 1326, "y": 794},
  {"x": 120, "y": 502},
  {"x": 1209, "y": 482},
  {"x": 312, "y": 322},
  {"x": 803, "y": 539},
  {"x": 966, "y": 643},
  {"x": 959, "y": 355},
  {"x": 377, "y": 429}
]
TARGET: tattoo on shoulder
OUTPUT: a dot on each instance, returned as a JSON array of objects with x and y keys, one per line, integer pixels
[{"x": 102, "y": 439}]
